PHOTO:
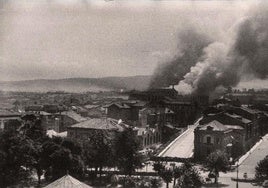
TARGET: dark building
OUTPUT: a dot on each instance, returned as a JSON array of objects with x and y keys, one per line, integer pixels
[
  {"x": 128, "y": 111},
  {"x": 215, "y": 136},
  {"x": 84, "y": 130},
  {"x": 239, "y": 123},
  {"x": 154, "y": 94},
  {"x": 9, "y": 120}
]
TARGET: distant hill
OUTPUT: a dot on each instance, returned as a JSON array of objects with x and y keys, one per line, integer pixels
[{"x": 78, "y": 84}]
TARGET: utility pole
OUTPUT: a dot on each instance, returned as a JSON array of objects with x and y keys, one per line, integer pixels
[{"x": 237, "y": 175}]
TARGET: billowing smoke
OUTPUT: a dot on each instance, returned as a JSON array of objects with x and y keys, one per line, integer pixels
[
  {"x": 223, "y": 64},
  {"x": 190, "y": 48}
]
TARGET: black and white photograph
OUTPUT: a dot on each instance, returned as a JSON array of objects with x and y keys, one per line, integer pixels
[{"x": 133, "y": 93}]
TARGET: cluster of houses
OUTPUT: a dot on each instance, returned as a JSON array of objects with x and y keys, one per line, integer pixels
[
  {"x": 154, "y": 115},
  {"x": 229, "y": 127},
  {"x": 230, "y": 123}
]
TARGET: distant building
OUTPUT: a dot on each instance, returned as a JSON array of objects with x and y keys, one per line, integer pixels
[
  {"x": 156, "y": 116},
  {"x": 69, "y": 118},
  {"x": 215, "y": 136},
  {"x": 95, "y": 111},
  {"x": 9, "y": 120},
  {"x": 233, "y": 125},
  {"x": 84, "y": 130},
  {"x": 128, "y": 111},
  {"x": 149, "y": 136},
  {"x": 243, "y": 98},
  {"x": 59, "y": 121},
  {"x": 153, "y": 94}
]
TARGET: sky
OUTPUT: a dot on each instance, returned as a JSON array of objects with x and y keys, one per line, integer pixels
[{"x": 55, "y": 39}]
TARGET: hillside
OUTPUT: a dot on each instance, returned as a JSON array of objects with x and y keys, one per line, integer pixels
[{"x": 78, "y": 84}]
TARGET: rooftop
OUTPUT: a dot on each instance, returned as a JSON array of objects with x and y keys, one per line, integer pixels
[
  {"x": 7, "y": 113},
  {"x": 215, "y": 125},
  {"x": 90, "y": 106},
  {"x": 101, "y": 123},
  {"x": 240, "y": 118},
  {"x": 67, "y": 181},
  {"x": 75, "y": 116},
  {"x": 119, "y": 105}
]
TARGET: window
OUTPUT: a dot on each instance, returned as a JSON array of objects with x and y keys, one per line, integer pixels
[
  {"x": 217, "y": 140},
  {"x": 208, "y": 140}
]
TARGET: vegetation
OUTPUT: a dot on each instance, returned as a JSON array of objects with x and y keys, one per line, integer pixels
[
  {"x": 98, "y": 152},
  {"x": 126, "y": 147},
  {"x": 16, "y": 156},
  {"x": 217, "y": 162},
  {"x": 262, "y": 169},
  {"x": 60, "y": 156},
  {"x": 188, "y": 176},
  {"x": 184, "y": 176}
]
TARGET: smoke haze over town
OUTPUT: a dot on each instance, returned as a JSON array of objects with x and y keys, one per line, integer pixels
[{"x": 193, "y": 40}]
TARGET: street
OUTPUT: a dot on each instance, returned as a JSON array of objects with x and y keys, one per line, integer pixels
[
  {"x": 247, "y": 166},
  {"x": 183, "y": 145}
]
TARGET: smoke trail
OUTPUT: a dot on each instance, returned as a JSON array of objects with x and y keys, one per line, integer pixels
[
  {"x": 224, "y": 64},
  {"x": 191, "y": 45}
]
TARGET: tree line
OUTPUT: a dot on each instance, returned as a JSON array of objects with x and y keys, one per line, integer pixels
[{"x": 28, "y": 153}]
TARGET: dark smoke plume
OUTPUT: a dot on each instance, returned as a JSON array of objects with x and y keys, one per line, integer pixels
[
  {"x": 190, "y": 48},
  {"x": 224, "y": 64}
]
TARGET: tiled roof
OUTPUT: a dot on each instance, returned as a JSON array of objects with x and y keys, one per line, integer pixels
[
  {"x": 101, "y": 123},
  {"x": 119, "y": 105},
  {"x": 240, "y": 118},
  {"x": 7, "y": 113},
  {"x": 217, "y": 126},
  {"x": 67, "y": 181},
  {"x": 90, "y": 106},
  {"x": 74, "y": 116},
  {"x": 34, "y": 108},
  {"x": 234, "y": 127},
  {"x": 140, "y": 103}
]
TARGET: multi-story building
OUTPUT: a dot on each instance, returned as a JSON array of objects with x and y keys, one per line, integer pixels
[
  {"x": 149, "y": 136},
  {"x": 84, "y": 130},
  {"x": 238, "y": 123},
  {"x": 215, "y": 136},
  {"x": 128, "y": 111},
  {"x": 9, "y": 120}
]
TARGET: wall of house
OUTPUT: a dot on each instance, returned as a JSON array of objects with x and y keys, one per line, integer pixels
[
  {"x": 218, "y": 141},
  {"x": 150, "y": 138},
  {"x": 118, "y": 113},
  {"x": 51, "y": 122},
  {"x": 66, "y": 121},
  {"x": 82, "y": 134}
]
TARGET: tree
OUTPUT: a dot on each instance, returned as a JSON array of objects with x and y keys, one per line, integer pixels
[
  {"x": 158, "y": 166},
  {"x": 165, "y": 173},
  {"x": 217, "y": 162},
  {"x": 97, "y": 151},
  {"x": 35, "y": 131},
  {"x": 60, "y": 156},
  {"x": 186, "y": 174},
  {"x": 189, "y": 177},
  {"x": 126, "y": 147},
  {"x": 16, "y": 156},
  {"x": 155, "y": 183},
  {"x": 177, "y": 173},
  {"x": 261, "y": 170}
]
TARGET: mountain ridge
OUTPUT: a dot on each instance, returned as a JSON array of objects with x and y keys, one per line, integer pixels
[{"x": 79, "y": 84}]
